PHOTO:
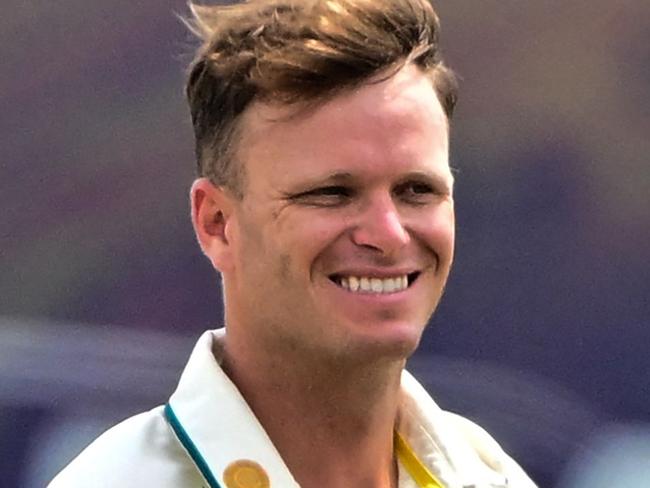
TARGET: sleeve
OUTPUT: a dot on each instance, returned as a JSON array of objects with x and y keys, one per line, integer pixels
[{"x": 141, "y": 451}]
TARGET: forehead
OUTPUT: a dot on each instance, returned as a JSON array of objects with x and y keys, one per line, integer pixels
[{"x": 399, "y": 118}]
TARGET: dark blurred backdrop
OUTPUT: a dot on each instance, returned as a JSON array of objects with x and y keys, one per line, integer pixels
[{"x": 543, "y": 333}]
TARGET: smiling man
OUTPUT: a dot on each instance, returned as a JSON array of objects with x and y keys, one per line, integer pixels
[{"x": 325, "y": 200}]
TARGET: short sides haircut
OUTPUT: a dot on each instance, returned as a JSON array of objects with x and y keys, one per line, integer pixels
[{"x": 298, "y": 52}]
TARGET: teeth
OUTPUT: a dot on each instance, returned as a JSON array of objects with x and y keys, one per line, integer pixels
[
  {"x": 365, "y": 284},
  {"x": 389, "y": 285},
  {"x": 354, "y": 283},
  {"x": 376, "y": 285}
]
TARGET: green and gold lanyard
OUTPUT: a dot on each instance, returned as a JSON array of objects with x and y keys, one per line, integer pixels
[
  {"x": 418, "y": 471},
  {"x": 190, "y": 447}
]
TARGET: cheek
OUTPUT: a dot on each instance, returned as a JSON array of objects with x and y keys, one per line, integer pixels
[
  {"x": 307, "y": 236},
  {"x": 440, "y": 231},
  {"x": 252, "y": 247},
  {"x": 284, "y": 267}
]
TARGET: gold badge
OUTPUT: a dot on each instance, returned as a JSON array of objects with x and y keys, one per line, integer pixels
[{"x": 245, "y": 474}]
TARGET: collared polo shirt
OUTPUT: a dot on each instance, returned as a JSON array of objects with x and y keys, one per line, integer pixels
[{"x": 208, "y": 436}]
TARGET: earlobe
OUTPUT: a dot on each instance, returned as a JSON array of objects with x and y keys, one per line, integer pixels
[{"x": 211, "y": 211}]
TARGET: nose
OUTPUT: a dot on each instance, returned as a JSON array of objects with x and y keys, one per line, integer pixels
[{"x": 379, "y": 226}]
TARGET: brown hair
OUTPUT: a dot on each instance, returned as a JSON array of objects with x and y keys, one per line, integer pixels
[{"x": 298, "y": 51}]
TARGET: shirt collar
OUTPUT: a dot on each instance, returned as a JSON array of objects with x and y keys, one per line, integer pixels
[
  {"x": 438, "y": 444},
  {"x": 217, "y": 418},
  {"x": 224, "y": 429}
]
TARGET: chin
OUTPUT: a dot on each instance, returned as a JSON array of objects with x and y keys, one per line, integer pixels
[{"x": 396, "y": 341}]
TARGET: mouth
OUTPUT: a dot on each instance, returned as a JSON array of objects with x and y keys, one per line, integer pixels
[{"x": 375, "y": 285}]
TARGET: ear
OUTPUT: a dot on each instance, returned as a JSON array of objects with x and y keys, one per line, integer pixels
[{"x": 212, "y": 209}]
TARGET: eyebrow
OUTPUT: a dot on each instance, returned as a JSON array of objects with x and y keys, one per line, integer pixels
[
  {"x": 337, "y": 177},
  {"x": 438, "y": 177},
  {"x": 344, "y": 177}
]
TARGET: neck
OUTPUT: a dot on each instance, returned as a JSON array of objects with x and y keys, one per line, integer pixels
[{"x": 331, "y": 422}]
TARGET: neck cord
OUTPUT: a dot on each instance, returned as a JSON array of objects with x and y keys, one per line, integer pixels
[{"x": 418, "y": 471}]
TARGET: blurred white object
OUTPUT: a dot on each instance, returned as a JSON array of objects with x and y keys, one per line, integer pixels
[{"x": 617, "y": 457}]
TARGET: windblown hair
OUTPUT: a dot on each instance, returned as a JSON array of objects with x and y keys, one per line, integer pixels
[{"x": 298, "y": 52}]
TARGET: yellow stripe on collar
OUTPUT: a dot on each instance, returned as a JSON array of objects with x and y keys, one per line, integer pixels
[{"x": 418, "y": 471}]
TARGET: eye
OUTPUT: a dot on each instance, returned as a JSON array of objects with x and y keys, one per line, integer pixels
[
  {"x": 418, "y": 188},
  {"x": 331, "y": 191},
  {"x": 325, "y": 196},
  {"x": 416, "y": 191}
]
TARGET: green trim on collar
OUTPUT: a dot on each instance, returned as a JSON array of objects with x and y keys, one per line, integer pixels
[{"x": 190, "y": 447}]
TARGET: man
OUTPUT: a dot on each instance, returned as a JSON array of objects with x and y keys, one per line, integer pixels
[{"x": 325, "y": 202}]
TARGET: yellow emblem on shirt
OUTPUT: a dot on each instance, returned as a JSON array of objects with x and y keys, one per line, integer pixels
[{"x": 245, "y": 473}]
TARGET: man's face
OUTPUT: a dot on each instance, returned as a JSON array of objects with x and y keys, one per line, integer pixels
[{"x": 344, "y": 238}]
